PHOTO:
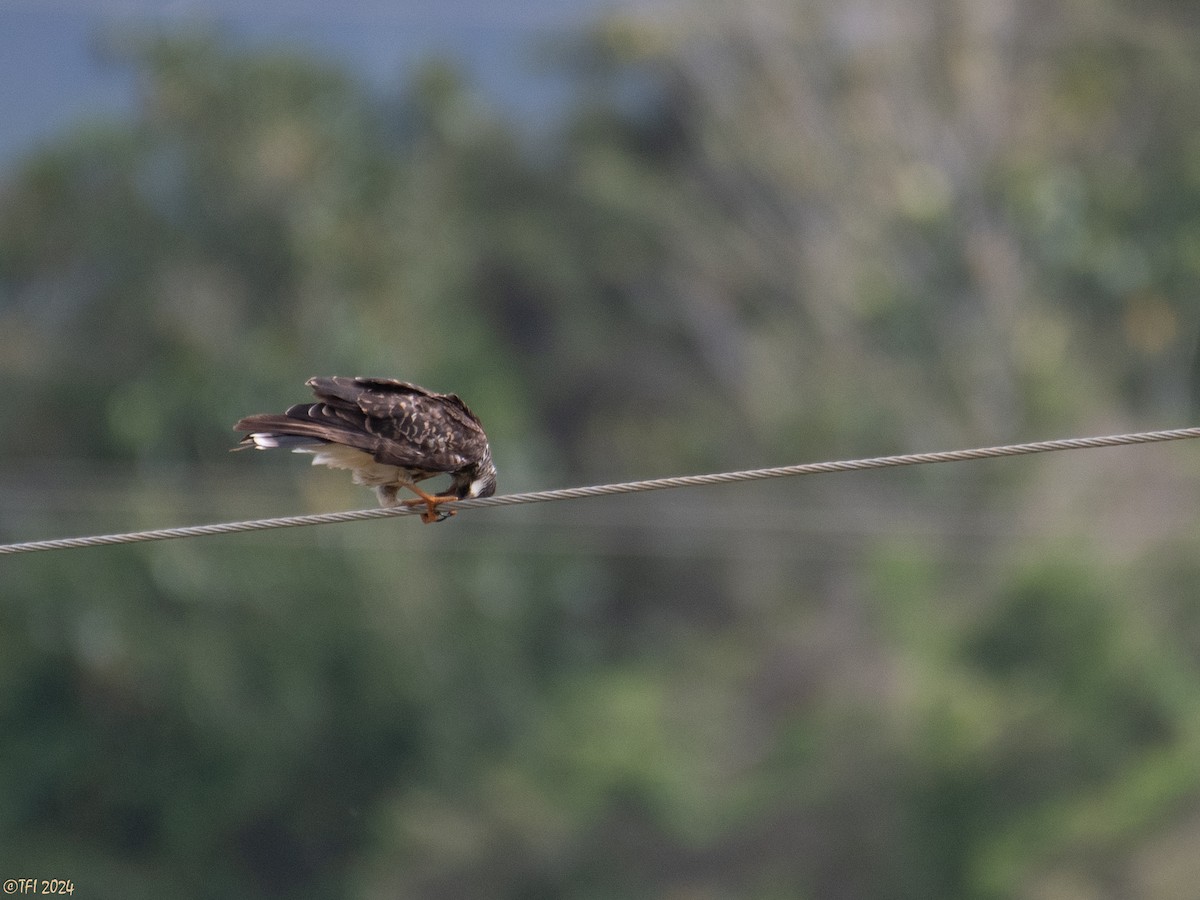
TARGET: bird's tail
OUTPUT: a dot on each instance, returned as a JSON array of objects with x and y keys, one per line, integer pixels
[
  {"x": 268, "y": 440},
  {"x": 268, "y": 432}
]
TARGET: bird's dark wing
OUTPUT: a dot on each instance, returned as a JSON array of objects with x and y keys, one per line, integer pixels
[{"x": 411, "y": 427}]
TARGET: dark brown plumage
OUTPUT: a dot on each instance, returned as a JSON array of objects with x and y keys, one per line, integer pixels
[{"x": 390, "y": 434}]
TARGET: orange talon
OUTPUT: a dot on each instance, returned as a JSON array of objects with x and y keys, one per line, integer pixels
[{"x": 431, "y": 502}]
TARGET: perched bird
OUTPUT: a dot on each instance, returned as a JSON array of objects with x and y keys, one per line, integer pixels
[{"x": 389, "y": 433}]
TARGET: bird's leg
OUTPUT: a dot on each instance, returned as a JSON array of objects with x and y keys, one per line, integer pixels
[
  {"x": 431, "y": 502},
  {"x": 387, "y": 498}
]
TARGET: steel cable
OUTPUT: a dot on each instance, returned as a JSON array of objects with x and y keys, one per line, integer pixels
[{"x": 629, "y": 487}]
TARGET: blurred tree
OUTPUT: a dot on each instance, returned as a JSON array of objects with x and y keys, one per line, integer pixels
[{"x": 762, "y": 232}]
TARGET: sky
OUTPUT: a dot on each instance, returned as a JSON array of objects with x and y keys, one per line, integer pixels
[{"x": 55, "y": 72}]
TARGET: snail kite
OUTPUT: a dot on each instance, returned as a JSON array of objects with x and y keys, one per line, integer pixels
[{"x": 390, "y": 434}]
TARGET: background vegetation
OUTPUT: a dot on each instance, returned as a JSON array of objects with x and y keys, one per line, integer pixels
[{"x": 758, "y": 234}]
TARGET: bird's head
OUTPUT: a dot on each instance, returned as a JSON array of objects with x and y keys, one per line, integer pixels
[{"x": 478, "y": 480}]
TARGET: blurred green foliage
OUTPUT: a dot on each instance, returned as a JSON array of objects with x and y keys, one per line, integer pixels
[{"x": 759, "y": 233}]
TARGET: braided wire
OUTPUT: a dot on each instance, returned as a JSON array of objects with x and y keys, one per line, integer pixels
[{"x": 629, "y": 487}]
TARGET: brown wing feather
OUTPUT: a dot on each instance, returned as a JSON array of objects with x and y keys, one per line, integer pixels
[
  {"x": 414, "y": 427},
  {"x": 378, "y": 397},
  {"x": 398, "y": 423}
]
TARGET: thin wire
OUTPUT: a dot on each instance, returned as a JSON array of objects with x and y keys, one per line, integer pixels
[{"x": 629, "y": 487}]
